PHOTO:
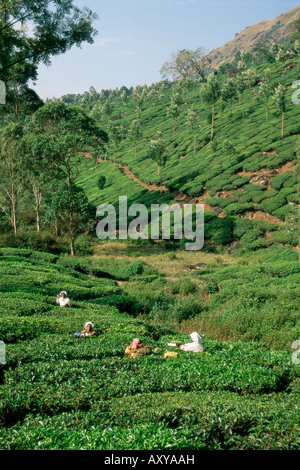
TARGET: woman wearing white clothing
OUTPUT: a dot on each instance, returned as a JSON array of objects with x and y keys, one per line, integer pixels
[
  {"x": 63, "y": 300},
  {"x": 195, "y": 346}
]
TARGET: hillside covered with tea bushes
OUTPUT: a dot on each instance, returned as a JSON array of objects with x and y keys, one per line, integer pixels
[{"x": 248, "y": 171}]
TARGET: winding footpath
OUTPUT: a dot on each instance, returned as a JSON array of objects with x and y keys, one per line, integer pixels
[{"x": 183, "y": 198}]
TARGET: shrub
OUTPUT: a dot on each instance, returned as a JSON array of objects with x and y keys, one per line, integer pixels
[
  {"x": 237, "y": 208},
  {"x": 219, "y": 230}
]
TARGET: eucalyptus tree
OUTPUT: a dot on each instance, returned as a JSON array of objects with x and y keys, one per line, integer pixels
[
  {"x": 186, "y": 84},
  {"x": 265, "y": 92},
  {"x": 173, "y": 112},
  {"x": 71, "y": 207},
  {"x": 251, "y": 78},
  {"x": 210, "y": 93},
  {"x": 135, "y": 133},
  {"x": 39, "y": 183},
  {"x": 124, "y": 98},
  {"x": 116, "y": 133},
  {"x": 297, "y": 49},
  {"x": 153, "y": 95},
  {"x": 106, "y": 109},
  {"x": 11, "y": 180},
  {"x": 144, "y": 94},
  {"x": 281, "y": 102},
  {"x": 229, "y": 94},
  {"x": 158, "y": 152},
  {"x": 137, "y": 100},
  {"x": 59, "y": 137},
  {"x": 96, "y": 112},
  {"x": 174, "y": 109},
  {"x": 240, "y": 85},
  {"x": 193, "y": 122}
]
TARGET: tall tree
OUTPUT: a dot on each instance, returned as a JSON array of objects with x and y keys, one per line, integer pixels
[
  {"x": 21, "y": 101},
  {"x": 281, "y": 102},
  {"x": 186, "y": 63},
  {"x": 135, "y": 133},
  {"x": 210, "y": 94},
  {"x": 264, "y": 92},
  {"x": 124, "y": 98},
  {"x": 251, "y": 78},
  {"x": 158, "y": 153},
  {"x": 192, "y": 121},
  {"x": 72, "y": 208},
  {"x": 240, "y": 85},
  {"x": 116, "y": 134},
  {"x": 106, "y": 109},
  {"x": 59, "y": 138},
  {"x": 173, "y": 111},
  {"x": 229, "y": 94},
  {"x": 11, "y": 171},
  {"x": 56, "y": 26}
]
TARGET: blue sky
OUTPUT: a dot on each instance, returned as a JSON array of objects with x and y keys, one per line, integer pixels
[{"x": 137, "y": 36}]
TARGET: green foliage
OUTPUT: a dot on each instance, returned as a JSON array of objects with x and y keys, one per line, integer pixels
[
  {"x": 219, "y": 231},
  {"x": 62, "y": 392}
]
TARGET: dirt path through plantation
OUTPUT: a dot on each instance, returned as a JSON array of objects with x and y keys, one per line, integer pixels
[{"x": 183, "y": 198}]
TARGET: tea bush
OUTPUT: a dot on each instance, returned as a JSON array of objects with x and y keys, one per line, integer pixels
[{"x": 59, "y": 391}]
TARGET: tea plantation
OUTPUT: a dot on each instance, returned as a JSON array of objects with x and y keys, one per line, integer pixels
[
  {"x": 62, "y": 392},
  {"x": 257, "y": 179}
]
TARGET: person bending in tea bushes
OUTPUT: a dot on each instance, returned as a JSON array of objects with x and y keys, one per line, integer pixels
[
  {"x": 88, "y": 329},
  {"x": 62, "y": 299},
  {"x": 136, "y": 348},
  {"x": 195, "y": 346}
]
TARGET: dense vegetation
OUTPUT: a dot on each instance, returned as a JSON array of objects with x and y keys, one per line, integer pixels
[
  {"x": 205, "y": 158},
  {"x": 227, "y": 139},
  {"x": 59, "y": 391}
]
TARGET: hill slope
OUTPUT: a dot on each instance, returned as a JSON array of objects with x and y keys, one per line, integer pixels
[
  {"x": 256, "y": 182},
  {"x": 274, "y": 30}
]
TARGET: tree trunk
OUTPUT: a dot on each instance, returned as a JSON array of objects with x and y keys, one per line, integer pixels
[
  {"x": 56, "y": 228},
  {"x": 68, "y": 177},
  {"x": 38, "y": 198},
  {"x": 72, "y": 236},
  {"x": 14, "y": 210},
  {"x": 16, "y": 112},
  {"x": 282, "y": 127},
  {"x": 14, "y": 220},
  {"x": 212, "y": 122},
  {"x": 160, "y": 180},
  {"x": 38, "y": 218}
]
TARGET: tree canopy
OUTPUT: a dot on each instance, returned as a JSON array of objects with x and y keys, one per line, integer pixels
[
  {"x": 33, "y": 31},
  {"x": 186, "y": 63}
]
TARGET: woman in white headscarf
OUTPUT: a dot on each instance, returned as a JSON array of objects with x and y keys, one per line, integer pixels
[
  {"x": 195, "y": 346},
  {"x": 88, "y": 331},
  {"x": 62, "y": 299}
]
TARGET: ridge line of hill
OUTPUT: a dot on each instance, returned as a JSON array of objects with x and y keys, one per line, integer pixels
[{"x": 273, "y": 30}]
